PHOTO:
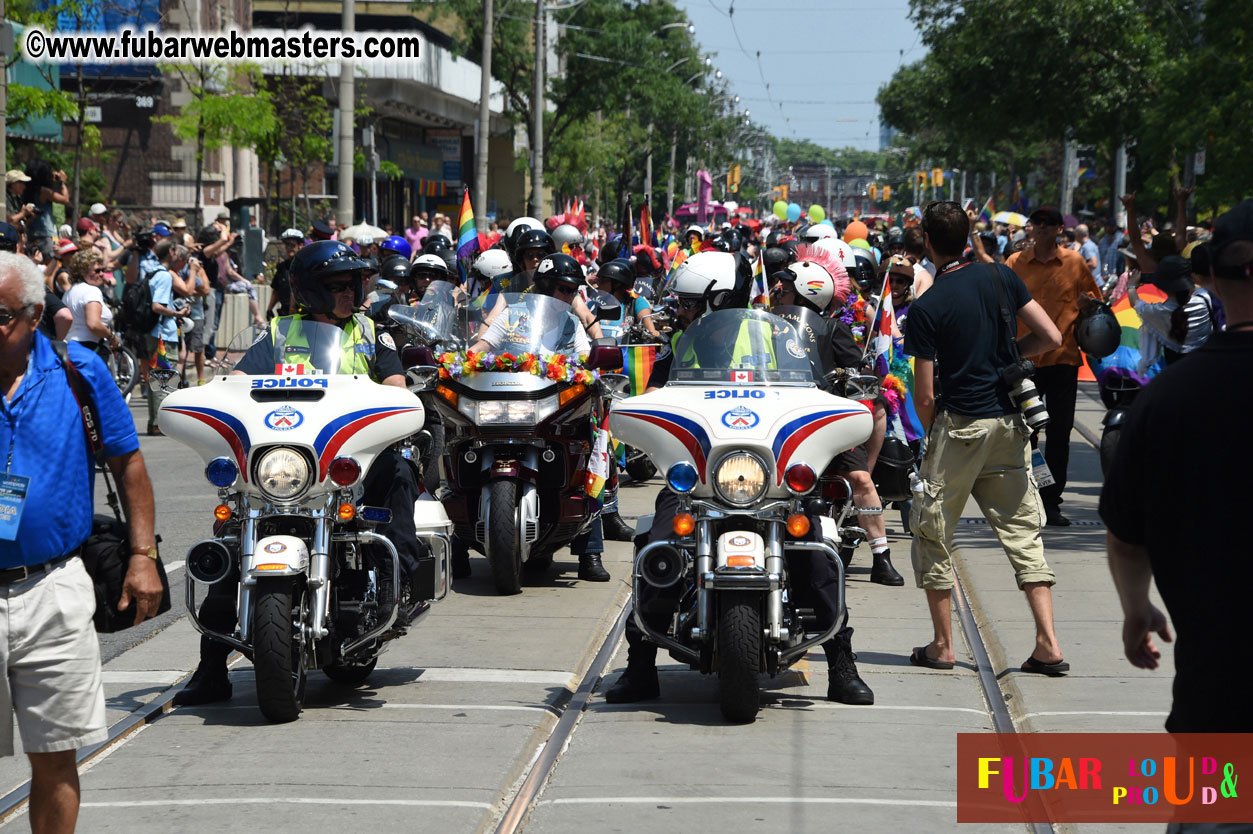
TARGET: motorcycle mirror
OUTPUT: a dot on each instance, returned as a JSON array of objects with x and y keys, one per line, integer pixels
[
  {"x": 617, "y": 386},
  {"x": 604, "y": 358},
  {"x": 412, "y": 355},
  {"x": 159, "y": 380},
  {"x": 422, "y": 377}
]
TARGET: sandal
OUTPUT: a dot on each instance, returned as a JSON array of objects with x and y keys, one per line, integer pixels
[
  {"x": 1039, "y": 667},
  {"x": 919, "y": 658}
]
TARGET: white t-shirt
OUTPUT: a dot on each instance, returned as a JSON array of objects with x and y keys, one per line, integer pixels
[{"x": 77, "y": 298}]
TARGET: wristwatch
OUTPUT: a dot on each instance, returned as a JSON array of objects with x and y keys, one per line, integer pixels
[{"x": 151, "y": 553}]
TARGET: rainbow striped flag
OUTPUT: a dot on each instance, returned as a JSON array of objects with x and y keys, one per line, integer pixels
[
  {"x": 759, "y": 279},
  {"x": 637, "y": 363},
  {"x": 159, "y": 360},
  {"x": 985, "y": 215},
  {"x": 468, "y": 240}
]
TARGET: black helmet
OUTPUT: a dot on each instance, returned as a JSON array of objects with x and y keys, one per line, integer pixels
[
  {"x": 532, "y": 239},
  {"x": 435, "y": 243},
  {"x": 316, "y": 262},
  {"x": 395, "y": 269},
  {"x": 776, "y": 258},
  {"x": 557, "y": 269},
  {"x": 617, "y": 272},
  {"x": 864, "y": 273},
  {"x": 1098, "y": 332},
  {"x": 720, "y": 244},
  {"x": 735, "y": 238},
  {"x": 609, "y": 252}
]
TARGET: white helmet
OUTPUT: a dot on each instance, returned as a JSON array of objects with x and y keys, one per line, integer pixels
[
  {"x": 818, "y": 231},
  {"x": 840, "y": 250},
  {"x": 814, "y": 284},
  {"x": 566, "y": 234},
  {"x": 700, "y": 230},
  {"x": 492, "y": 263},
  {"x": 723, "y": 279},
  {"x": 431, "y": 262}
]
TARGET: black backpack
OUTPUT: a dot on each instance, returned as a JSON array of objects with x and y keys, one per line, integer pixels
[{"x": 136, "y": 315}]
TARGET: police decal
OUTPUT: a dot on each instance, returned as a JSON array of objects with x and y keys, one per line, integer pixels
[
  {"x": 741, "y": 417},
  {"x": 386, "y": 340},
  {"x": 284, "y": 418}
]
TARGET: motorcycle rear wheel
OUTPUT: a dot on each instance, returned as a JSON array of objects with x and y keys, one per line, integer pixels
[
  {"x": 504, "y": 538},
  {"x": 278, "y": 647},
  {"x": 739, "y": 638},
  {"x": 640, "y": 468}
]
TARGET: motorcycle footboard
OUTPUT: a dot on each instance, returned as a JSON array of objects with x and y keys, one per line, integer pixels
[
  {"x": 230, "y": 640},
  {"x": 366, "y": 639},
  {"x": 788, "y": 655}
]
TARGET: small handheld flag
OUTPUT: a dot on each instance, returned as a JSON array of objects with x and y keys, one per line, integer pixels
[{"x": 468, "y": 240}]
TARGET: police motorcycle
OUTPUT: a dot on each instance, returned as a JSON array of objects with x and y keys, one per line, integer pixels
[
  {"x": 288, "y": 452},
  {"x": 742, "y": 442},
  {"x": 517, "y": 438}
]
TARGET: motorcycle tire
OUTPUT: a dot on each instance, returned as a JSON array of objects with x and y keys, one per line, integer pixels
[
  {"x": 1109, "y": 442},
  {"x": 503, "y": 538},
  {"x": 279, "y": 610},
  {"x": 125, "y": 370},
  {"x": 640, "y": 468},
  {"x": 431, "y": 461},
  {"x": 350, "y": 673},
  {"x": 739, "y": 636}
]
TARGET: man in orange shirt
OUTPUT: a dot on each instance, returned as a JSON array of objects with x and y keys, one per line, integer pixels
[{"x": 1056, "y": 278}]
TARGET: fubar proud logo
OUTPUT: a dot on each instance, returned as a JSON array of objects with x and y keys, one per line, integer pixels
[{"x": 1103, "y": 777}]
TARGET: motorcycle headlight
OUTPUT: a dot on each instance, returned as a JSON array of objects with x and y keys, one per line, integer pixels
[
  {"x": 508, "y": 412},
  {"x": 740, "y": 479},
  {"x": 282, "y": 474}
]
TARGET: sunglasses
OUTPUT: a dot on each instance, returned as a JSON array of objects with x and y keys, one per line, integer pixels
[
  {"x": 7, "y": 316},
  {"x": 691, "y": 303},
  {"x": 566, "y": 290},
  {"x": 338, "y": 287}
]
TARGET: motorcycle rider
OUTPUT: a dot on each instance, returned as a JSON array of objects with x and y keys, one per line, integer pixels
[
  {"x": 327, "y": 287},
  {"x": 708, "y": 282},
  {"x": 426, "y": 268},
  {"x": 824, "y": 280},
  {"x": 617, "y": 278}
]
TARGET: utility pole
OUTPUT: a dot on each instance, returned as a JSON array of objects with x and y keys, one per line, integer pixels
[
  {"x": 674, "y": 149},
  {"x": 5, "y": 38},
  {"x": 1120, "y": 183},
  {"x": 485, "y": 119},
  {"x": 1069, "y": 161},
  {"x": 648, "y": 166},
  {"x": 347, "y": 98},
  {"x": 537, "y": 152}
]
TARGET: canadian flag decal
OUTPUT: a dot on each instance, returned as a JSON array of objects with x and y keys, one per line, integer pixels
[{"x": 741, "y": 376}]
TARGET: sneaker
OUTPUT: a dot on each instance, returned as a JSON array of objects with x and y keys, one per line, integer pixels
[{"x": 1054, "y": 518}]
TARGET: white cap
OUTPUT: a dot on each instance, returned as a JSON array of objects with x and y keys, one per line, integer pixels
[
  {"x": 97, "y": 208},
  {"x": 365, "y": 240},
  {"x": 292, "y": 233}
]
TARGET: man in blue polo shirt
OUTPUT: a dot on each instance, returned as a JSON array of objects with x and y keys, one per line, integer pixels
[{"x": 48, "y": 647}]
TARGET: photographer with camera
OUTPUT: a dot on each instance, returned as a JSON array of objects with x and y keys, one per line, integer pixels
[
  {"x": 977, "y": 432},
  {"x": 1057, "y": 278}
]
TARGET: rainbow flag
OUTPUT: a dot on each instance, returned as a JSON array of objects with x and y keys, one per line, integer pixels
[
  {"x": 759, "y": 279},
  {"x": 159, "y": 360},
  {"x": 468, "y": 240},
  {"x": 637, "y": 363},
  {"x": 985, "y": 214},
  {"x": 881, "y": 333}
]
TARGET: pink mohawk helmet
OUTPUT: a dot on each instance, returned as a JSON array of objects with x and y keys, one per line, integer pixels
[{"x": 808, "y": 253}]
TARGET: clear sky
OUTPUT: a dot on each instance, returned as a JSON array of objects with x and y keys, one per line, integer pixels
[{"x": 823, "y": 59}]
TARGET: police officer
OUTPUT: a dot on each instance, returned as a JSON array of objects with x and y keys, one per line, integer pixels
[
  {"x": 710, "y": 281},
  {"x": 327, "y": 287}
]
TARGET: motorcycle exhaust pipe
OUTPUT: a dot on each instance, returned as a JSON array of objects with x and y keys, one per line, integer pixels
[
  {"x": 663, "y": 566},
  {"x": 208, "y": 561}
]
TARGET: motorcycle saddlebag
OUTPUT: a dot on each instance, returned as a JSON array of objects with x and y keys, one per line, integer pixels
[{"x": 891, "y": 470}]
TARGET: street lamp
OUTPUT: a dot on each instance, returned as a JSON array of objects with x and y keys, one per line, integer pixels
[{"x": 691, "y": 30}]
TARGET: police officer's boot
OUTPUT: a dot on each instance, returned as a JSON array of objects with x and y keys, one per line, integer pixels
[
  {"x": 211, "y": 683},
  {"x": 882, "y": 571},
  {"x": 590, "y": 568},
  {"x": 460, "y": 559},
  {"x": 639, "y": 681},
  {"x": 845, "y": 686},
  {"x": 616, "y": 530}
]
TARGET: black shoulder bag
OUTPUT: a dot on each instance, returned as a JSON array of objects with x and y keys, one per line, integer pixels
[{"x": 107, "y": 552}]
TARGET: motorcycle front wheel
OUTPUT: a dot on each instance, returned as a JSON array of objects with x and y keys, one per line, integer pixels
[
  {"x": 739, "y": 655},
  {"x": 280, "y": 606},
  {"x": 504, "y": 538}
]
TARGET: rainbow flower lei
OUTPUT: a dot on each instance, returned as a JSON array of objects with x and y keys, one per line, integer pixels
[
  {"x": 558, "y": 367},
  {"x": 854, "y": 315}
]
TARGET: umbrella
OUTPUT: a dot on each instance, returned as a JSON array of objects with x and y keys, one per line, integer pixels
[
  {"x": 362, "y": 230},
  {"x": 1009, "y": 218}
]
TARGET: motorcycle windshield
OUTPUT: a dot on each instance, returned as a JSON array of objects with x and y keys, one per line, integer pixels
[
  {"x": 298, "y": 344},
  {"x": 435, "y": 320},
  {"x": 747, "y": 347},
  {"x": 529, "y": 323},
  {"x": 811, "y": 329}
]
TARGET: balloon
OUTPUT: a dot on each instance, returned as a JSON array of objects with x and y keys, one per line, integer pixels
[
  {"x": 826, "y": 222},
  {"x": 793, "y": 212},
  {"x": 816, "y": 213},
  {"x": 780, "y": 209}
]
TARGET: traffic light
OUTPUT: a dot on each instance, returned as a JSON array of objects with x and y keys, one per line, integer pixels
[
  {"x": 873, "y": 192},
  {"x": 887, "y": 193},
  {"x": 733, "y": 178},
  {"x": 937, "y": 177},
  {"x": 783, "y": 193},
  {"x": 921, "y": 177}
]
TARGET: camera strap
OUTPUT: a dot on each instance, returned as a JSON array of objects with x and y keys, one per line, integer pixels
[
  {"x": 1006, "y": 317},
  {"x": 91, "y": 422}
]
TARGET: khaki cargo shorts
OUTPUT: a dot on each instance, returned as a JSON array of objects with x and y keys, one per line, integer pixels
[{"x": 988, "y": 459}]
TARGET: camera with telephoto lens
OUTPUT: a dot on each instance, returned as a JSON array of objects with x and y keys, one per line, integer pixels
[{"x": 1017, "y": 377}]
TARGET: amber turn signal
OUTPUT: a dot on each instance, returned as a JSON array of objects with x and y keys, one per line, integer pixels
[
  {"x": 797, "y": 525},
  {"x": 222, "y": 512},
  {"x": 684, "y": 524},
  {"x": 347, "y": 512}
]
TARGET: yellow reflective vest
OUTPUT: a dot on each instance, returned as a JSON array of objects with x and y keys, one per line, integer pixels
[{"x": 357, "y": 343}]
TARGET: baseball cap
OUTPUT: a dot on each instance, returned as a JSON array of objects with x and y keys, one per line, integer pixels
[
  {"x": 14, "y": 175},
  {"x": 65, "y": 247},
  {"x": 901, "y": 265},
  {"x": 179, "y": 223},
  {"x": 97, "y": 208},
  {"x": 85, "y": 224},
  {"x": 224, "y": 215},
  {"x": 1231, "y": 246},
  {"x": 161, "y": 230},
  {"x": 8, "y": 234},
  {"x": 1045, "y": 216},
  {"x": 292, "y": 234}
]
